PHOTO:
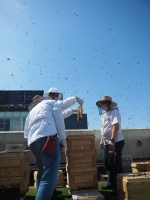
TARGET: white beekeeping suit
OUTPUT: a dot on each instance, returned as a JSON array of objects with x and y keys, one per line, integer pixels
[
  {"x": 65, "y": 104},
  {"x": 44, "y": 119}
]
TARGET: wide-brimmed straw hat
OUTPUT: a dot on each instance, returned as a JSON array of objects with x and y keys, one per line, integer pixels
[
  {"x": 36, "y": 97},
  {"x": 53, "y": 90},
  {"x": 106, "y": 98}
]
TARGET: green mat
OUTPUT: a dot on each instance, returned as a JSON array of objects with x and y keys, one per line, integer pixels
[{"x": 106, "y": 193}]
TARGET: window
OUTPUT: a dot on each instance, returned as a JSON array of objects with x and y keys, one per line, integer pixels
[{"x": 4, "y": 124}]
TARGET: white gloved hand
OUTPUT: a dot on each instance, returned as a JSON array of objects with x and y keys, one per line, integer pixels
[
  {"x": 80, "y": 101},
  {"x": 74, "y": 109},
  {"x": 63, "y": 145}
]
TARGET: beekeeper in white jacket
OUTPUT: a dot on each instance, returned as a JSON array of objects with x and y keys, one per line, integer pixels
[
  {"x": 55, "y": 94},
  {"x": 43, "y": 124}
]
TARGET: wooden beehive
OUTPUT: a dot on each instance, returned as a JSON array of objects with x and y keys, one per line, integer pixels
[
  {"x": 133, "y": 186},
  {"x": 139, "y": 166},
  {"x": 82, "y": 181},
  {"x": 14, "y": 164},
  {"x": 21, "y": 182},
  {"x": 81, "y": 143},
  {"x": 80, "y": 162},
  {"x": 60, "y": 182}
]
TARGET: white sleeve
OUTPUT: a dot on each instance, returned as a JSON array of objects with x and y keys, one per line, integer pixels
[
  {"x": 59, "y": 121},
  {"x": 66, "y": 113},
  {"x": 116, "y": 117},
  {"x": 67, "y": 102}
]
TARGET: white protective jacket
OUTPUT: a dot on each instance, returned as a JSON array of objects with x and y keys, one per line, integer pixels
[
  {"x": 44, "y": 119},
  {"x": 68, "y": 102}
]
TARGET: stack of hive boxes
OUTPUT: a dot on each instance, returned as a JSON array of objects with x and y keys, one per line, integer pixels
[
  {"x": 15, "y": 171},
  {"x": 81, "y": 163},
  {"x": 140, "y": 166},
  {"x": 134, "y": 186}
]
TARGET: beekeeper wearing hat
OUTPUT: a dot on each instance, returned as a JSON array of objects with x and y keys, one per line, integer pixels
[
  {"x": 45, "y": 130},
  {"x": 112, "y": 140},
  {"x": 31, "y": 133},
  {"x": 57, "y": 95}
]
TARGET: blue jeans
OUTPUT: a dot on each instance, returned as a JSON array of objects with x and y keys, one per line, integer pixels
[
  {"x": 117, "y": 168},
  {"x": 48, "y": 168}
]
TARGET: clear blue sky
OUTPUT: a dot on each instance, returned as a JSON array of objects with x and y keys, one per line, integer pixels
[{"x": 87, "y": 48}]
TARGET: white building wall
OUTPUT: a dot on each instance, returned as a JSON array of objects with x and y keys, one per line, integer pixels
[{"x": 132, "y": 136}]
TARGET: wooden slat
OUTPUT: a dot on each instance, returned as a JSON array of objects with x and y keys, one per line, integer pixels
[
  {"x": 77, "y": 181},
  {"x": 14, "y": 166},
  {"x": 19, "y": 154}
]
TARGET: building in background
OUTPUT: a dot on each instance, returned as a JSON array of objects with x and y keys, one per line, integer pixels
[
  {"x": 14, "y": 110},
  {"x": 72, "y": 123}
]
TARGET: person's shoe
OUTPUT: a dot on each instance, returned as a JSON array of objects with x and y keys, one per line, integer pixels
[
  {"x": 57, "y": 197},
  {"x": 115, "y": 192},
  {"x": 107, "y": 187},
  {"x": 57, "y": 191}
]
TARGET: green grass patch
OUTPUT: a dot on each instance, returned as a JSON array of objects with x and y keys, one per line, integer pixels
[
  {"x": 31, "y": 192},
  {"x": 106, "y": 193}
]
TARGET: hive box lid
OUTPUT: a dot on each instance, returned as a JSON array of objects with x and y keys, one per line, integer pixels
[
  {"x": 134, "y": 177},
  {"x": 95, "y": 193},
  {"x": 13, "y": 147}
]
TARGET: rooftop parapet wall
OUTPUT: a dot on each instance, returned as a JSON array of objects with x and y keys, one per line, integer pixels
[{"x": 137, "y": 141}]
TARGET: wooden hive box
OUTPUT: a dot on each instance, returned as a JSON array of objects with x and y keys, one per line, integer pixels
[
  {"x": 81, "y": 142},
  {"x": 139, "y": 166},
  {"x": 21, "y": 182},
  {"x": 148, "y": 168},
  {"x": 82, "y": 181},
  {"x": 14, "y": 164},
  {"x": 135, "y": 186},
  {"x": 80, "y": 162},
  {"x": 60, "y": 182}
]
